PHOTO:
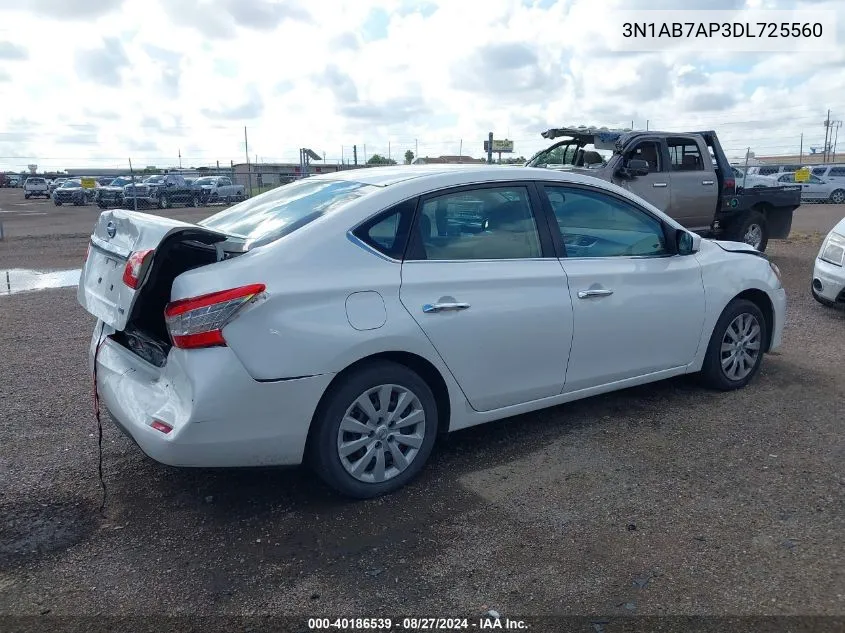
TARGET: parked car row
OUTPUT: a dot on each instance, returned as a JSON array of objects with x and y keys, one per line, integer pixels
[{"x": 158, "y": 190}]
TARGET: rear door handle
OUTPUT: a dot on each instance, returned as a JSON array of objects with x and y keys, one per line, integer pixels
[
  {"x": 659, "y": 184},
  {"x": 706, "y": 182},
  {"x": 596, "y": 292},
  {"x": 428, "y": 308}
]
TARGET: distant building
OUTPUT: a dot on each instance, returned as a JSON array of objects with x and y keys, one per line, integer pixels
[
  {"x": 449, "y": 160},
  {"x": 806, "y": 159},
  {"x": 273, "y": 174}
]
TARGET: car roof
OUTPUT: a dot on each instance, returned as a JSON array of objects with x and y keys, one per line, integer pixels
[{"x": 386, "y": 176}]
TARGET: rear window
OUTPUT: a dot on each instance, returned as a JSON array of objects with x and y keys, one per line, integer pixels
[
  {"x": 280, "y": 211},
  {"x": 35, "y": 181}
]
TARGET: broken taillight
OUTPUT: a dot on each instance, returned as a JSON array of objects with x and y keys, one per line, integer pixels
[
  {"x": 199, "y": 321},
  {"x": 135, "y": 267}
]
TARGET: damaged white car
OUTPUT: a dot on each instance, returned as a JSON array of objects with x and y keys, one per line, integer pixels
[{"x": 346, "y": 320}]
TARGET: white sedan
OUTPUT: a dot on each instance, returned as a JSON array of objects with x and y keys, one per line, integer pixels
[
  {"x": 346, "y": 320},
  {"x": 828, "y": 285},
  {"x": 816, "y": 189}
]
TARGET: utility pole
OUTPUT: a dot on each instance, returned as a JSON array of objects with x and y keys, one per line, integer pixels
[
  {"x": 801, "y": 151},
  {"x": 248, "y": 170},
  {"x": 837, "y": 125},
  {"x": 355, "y": 154},
  {"x": 460, "y": 150},
  {"x": 490, "y": 148},
  {"x": 134, "y": 196},
  {"x": 180, "y": 158},
  {"x": 826, "y": 131},
  {"x": 388, "y": 151},
  {"x": 416, "y": 149}
]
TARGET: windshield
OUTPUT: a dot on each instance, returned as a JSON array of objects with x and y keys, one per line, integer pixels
[
  {"x": 119, "y": 182},
  {"x": 279, "y": 212},
  {"x": 207, "y": 180},
  {"x": 67, "y": 184},
  {"x": 154, "y": 179},
  {"x": 573, "y": 152}
]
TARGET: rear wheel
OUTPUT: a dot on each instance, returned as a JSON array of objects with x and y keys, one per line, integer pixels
[
  {"x": 26, "y": 196},
  {"x": 374, "y": 431},
  {"x": 838, "y": 196},
  {"x": 163, "y": 202},
  {"x": 753, "y": 230},
  {"x": 736, "y": 347}
]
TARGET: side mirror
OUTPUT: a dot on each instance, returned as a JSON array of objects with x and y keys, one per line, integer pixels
[
  {"x": 638, "y": 167},
  {"x": 687, "y": 243}
]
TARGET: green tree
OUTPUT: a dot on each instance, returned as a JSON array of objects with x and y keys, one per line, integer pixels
[
  {"x": 377, "y": 159},
  {"x": 409, "y": 157}
]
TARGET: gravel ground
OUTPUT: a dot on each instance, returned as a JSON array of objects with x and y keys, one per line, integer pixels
[{"x": 663, "y": 499}]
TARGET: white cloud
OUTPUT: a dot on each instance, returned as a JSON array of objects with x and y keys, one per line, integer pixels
[{"x": 148, "y": 78}]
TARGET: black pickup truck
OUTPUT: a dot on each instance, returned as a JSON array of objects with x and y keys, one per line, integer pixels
[
  {"x": 684, "y": 174},
  {"x": 162, "y": 191}
]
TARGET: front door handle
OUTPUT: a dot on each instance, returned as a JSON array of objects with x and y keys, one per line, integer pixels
[
  {"x": 428, "y": 308},
  {"x": 596, "y": 292},
  {"x": 706, "y": 182},
  {"x": 659, "y": 184}
]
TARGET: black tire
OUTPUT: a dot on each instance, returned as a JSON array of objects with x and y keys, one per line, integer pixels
[
  {"x": 26, "y": 196},
  {"x": 195, "y": 201},
  {"x": 163, "y": 202},
  {"x": 837, "y": 196},
  {"x": 57, "y": 203},
  {"x": 712, "y": 374},
  {"x": 323, "y": 455},
  {"x": 742, "y": 227}
]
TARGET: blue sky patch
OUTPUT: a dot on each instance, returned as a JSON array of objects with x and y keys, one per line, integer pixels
[{"x": 375, "y": 25}]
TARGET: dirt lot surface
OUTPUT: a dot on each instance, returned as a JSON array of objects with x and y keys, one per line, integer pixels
[{"x": 664, "y": 499}]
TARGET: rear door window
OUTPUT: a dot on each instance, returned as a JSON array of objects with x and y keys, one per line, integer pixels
[{"x": 684, "y": 154}]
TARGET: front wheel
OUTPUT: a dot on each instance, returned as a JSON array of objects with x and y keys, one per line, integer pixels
[
  {"x": 374, "y": 431},
  {"x": 26, "y": 196},
  {"x": 736, "y": 347},
  {"x": 163, "y": 202},
  {"x": 838, "y": 196},
  {"x": 753, "y": 230},
  {"x": 57, "y": 203}
]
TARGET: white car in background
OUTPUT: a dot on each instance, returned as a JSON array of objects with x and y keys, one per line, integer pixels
[
  {"x": 753, "y": 181},
  {"x": 828, "y": 285},
  {"x": 831, "y": 173},
  {"x": 815, "y": 189},
  {"x": 35, "y": 186},
  {"x": 347, "y": 319}
]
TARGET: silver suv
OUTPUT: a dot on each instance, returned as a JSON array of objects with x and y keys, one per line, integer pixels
[{"x": 831, "y": 173}]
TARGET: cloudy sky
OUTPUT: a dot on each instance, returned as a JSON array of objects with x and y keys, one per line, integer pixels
[{"x": 95, "y": 82}]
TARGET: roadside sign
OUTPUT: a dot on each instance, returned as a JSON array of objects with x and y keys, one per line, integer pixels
[
  {"x": 802, "y": 175},
  {"x": 502, "y": 146},
  {"x": 88, "y": 183}
]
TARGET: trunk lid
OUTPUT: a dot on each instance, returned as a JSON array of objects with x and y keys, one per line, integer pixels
[{"x": 117, "y": 234}]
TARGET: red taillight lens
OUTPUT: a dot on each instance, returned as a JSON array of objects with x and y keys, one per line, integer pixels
[
  {"x": 135, "y": 266},
  {"x": 199, "y": 321},
  {"x": 158, "y": 425},
  {"x": 730, "y": 184}
]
